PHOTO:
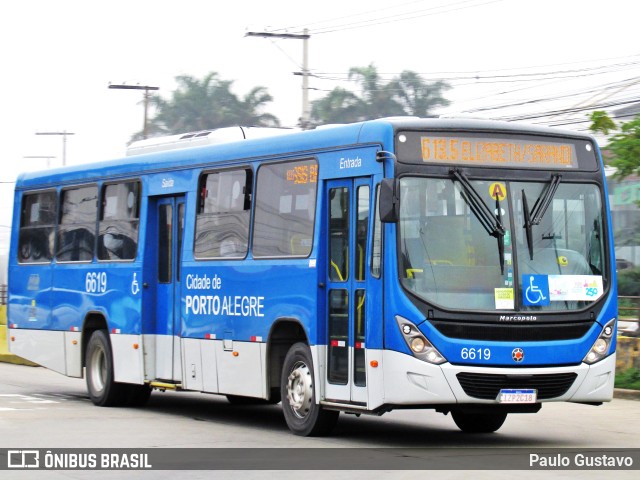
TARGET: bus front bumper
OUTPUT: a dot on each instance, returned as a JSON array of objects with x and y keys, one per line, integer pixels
[{"x": 409, "y": 381}]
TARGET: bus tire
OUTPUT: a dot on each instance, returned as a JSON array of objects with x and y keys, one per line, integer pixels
[
  {"x": 103, "y": 390},
  {"x": 478, "y": 422},
  {"x": 298, "y": 391}
]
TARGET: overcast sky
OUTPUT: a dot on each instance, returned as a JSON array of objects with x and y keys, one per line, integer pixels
[{"x": 58, "y": 58}]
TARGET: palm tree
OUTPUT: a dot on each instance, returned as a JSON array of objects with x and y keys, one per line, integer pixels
[
  {"x": 407, "y": 94},
  {"x": 252, "y": 104},
  {"x": 417, "y": 97},
  {"x": 378, "y": 98},
  {"x": 339, "y": 106},
  {"x": 207, "y": 104}
]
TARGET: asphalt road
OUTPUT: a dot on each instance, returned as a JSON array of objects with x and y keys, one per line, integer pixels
[{"x": 42, "y": 409}]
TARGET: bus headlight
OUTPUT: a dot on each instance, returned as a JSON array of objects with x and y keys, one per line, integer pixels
[
  {"x": 418, "y": 343},
  {"x": 602, "y": 345}
]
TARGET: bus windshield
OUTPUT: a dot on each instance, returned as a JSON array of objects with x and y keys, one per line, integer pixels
[{"x": 552, "y": 260}]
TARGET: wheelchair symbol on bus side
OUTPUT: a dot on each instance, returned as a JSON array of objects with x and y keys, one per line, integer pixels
[
  {"x": 536, "y": 292},
  {"x": 135, "y": 286}
]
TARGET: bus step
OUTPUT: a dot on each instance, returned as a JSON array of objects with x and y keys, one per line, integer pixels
[{"x": 165, "y": 386}]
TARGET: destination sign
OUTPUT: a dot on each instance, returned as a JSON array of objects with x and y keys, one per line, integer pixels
[
  {"x": 303, "y": 174},
  {"x": 498, "y": 152}
]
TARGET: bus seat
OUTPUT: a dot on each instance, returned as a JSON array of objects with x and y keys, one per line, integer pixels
[{"x": 551, "y": 261}]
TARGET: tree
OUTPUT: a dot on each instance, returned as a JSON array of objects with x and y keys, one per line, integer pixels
[
  {"x": 417, "y": 97},
  {"x": 601, "y": 122},
  {"x": 339, "y": 106},
  {"x": 625, "y": 147},
  {"x": 207, "y": 104},
  {"x": 377, "y": 99},
  {"x": 407, "y": 94}
]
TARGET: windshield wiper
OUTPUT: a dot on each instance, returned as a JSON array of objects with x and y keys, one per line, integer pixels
[
  {"x": 534, "y": 217},
  {"x": 490, "y": 222}
]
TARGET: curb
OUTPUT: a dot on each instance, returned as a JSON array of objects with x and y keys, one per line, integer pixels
[
  {"x": 10, "y": 358},
  {"x": 626, "y": 394}
]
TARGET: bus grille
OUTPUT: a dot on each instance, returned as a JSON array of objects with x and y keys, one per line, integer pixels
[
  {"x": 539, "y": 332},
  {"x": 488, "y": 386}
]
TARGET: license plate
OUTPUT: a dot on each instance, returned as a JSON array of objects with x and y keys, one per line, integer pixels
[{"x": 517, "y": 396}]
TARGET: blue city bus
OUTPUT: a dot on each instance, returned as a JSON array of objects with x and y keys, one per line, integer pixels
[{"x": 464, "y": 266}]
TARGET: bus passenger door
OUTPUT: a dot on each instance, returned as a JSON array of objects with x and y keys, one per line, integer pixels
[
  {"x": 164, "y": 245},
  {"x": 348, "y": 211}
]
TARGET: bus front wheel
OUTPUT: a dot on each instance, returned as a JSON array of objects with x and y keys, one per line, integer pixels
[
  {"x": 478, "y": 422},
  {"x": 103, "y": 390},
  {"x": 298, "y": 390}
]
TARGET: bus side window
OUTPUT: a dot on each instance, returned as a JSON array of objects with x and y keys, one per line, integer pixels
[
  {"x": 37, "y": 224},
  {"x": 77, "y": 226},
  {"x": 119, "y": 221},
  {"x": 285, "y": 209},
  {"x": 222, "y": 223}
]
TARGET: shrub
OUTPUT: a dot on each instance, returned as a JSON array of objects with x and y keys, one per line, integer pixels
[
  {"x": 628, "y": 379},
  {"x": 629, "y": 282}
]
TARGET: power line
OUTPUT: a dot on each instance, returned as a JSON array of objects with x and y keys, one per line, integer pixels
[
  {"x": 551, "y": 113},
  {"x": 344, "y": 17},
  {"x": 399, "y": 17},
  {"x": 532, "y": 76},
  {"x": 599, "y": 88}
]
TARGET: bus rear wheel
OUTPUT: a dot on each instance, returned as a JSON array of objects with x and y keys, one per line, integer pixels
[
  {"x": 298, "y": 390},
  {"x": 478, "y": 422},
  {"x": 103, "y": 390}
]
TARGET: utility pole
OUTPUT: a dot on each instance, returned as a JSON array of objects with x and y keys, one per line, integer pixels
[
  {"x": 64, "y": 135},
  {"x": 306, "y": 111},
  {"x": 146, "y": 89}
]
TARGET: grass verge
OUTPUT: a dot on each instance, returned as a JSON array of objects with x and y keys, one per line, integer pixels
[{"x": 629, "y": 379}]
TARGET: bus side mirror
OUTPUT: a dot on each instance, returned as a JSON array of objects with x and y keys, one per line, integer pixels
[{"x": 389, "y": 206}]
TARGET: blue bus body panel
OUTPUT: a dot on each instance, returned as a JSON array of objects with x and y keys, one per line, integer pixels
[
  {"x": 223, "y": 302},
  {"x": 65, "y": 305}
]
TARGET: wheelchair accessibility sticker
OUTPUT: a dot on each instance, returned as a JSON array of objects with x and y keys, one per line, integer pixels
[
  {"x": 541, "y": 290},
  {"x": 535, "y": 290}
]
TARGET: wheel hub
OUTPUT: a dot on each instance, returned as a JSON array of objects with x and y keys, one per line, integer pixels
[
  {"x": 98, "y": 369},
  {"x": 300, "y": 389}
]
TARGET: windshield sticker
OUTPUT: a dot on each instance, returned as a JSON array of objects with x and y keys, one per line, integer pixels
[
  {"x": 504, "y": 298},
  {"x": 498, "y": 191},
  {"x": 509, "y": 280},
  {"x": 535, "y": 290},
  {"x": 541, "y": 290},
  {"x": 575, "y": 287}
]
